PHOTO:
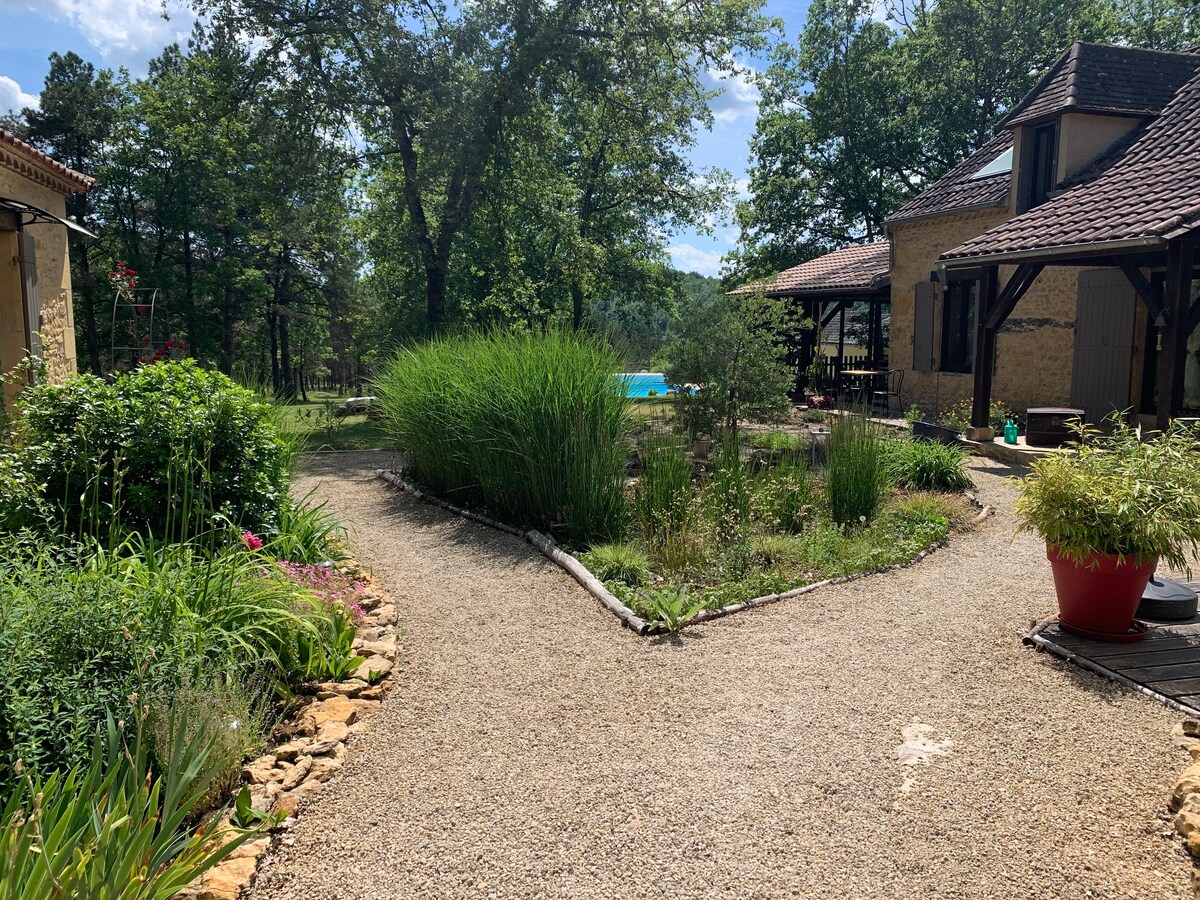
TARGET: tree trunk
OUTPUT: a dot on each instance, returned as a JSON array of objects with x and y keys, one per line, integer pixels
[
  {"x": 287, "y": 371},
  {"x": 228, "y": 317},
  {"x": 576, "y": 305},
  {"x": 435, "y": 296},
  {"x": 273, "y": 338},
  {"x": 88, "y": 292}
]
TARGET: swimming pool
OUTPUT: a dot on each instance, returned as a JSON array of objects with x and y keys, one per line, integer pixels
[{"x": 640, "y": 384}]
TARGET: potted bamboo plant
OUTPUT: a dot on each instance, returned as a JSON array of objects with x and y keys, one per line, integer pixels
[{"x": 1110, "y": 511}]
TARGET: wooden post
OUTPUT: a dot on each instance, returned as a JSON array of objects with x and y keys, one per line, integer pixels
[
  {"x": 841, "y": 344},
  {"x": 985, "y": 354},
  {"x": 1176, "y": 308}
]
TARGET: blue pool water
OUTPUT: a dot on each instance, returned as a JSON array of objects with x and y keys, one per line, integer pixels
[{"x": 640, "y": 384}]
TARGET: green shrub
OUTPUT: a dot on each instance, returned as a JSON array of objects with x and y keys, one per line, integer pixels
[
  {"x": 670, "y": 608},
  {"x": 814, "y": 416},
  {"x": 662, "y": 497},
  {"x": 958, "y": 416},
  {"x": 856, "y": 481},
  {"x": 531, "y": 426},
  {"x": 618, "y": 562},
  {"x": 775, "y": 440},
  {"x": 926, "y": 465},
  {"x": 77, "y": 641},
  {"x": 161, "y": 450},
  {"x": 115, "y": 827},
  {"x": 1119, "y": 494}
]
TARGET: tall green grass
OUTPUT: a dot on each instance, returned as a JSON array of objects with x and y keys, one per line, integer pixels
[
  {"x": 926, "y": 465},
  {"x": 662, "y": 499},
  {"x": 856, "y": 482},
  {"x": 531, "y": 426}
]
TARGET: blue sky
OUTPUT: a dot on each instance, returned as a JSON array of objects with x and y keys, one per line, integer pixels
[{"x": 112, "y": 33}]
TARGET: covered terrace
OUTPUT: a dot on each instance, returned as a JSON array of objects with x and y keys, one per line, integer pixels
[{"x": 827, "y": 289}]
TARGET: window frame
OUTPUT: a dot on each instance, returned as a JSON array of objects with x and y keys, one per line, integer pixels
[
  {"x": 960, "y": 300},
  {"x": 1043, "y": 164}
]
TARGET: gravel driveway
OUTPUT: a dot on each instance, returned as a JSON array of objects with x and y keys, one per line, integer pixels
[{"x": 534, "y": 749}]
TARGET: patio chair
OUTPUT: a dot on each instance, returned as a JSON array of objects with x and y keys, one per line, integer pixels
[{"x": 895, "y": 383}]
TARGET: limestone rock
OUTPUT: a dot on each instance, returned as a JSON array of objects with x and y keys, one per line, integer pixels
[
  {"x": 333, "y": 731},
  {"x": 351, "y": 688},
  {"x": 365, "y": 706},
  {"x": 293, "y": 748},
  {"x": 385, "y": 648},
  {"x": 335, "y": 709},
  {"x": 287, "y": 804},
  {"x": 225, "y": 882},
  {"x": 297, "y": 773},
  {"x": 1188, "y": 783},
  {"x": 379, "y": 666},
  {"x": 261, "y": 770}
]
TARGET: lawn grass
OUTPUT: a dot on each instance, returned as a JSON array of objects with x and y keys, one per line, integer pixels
[{"x": 317, "y": 429}]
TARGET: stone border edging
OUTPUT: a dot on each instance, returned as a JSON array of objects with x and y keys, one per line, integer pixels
[
  {"x": 1184, "y": 802},
  {"x": 309, "y": 746},
  {"x": 594, "y": 586}
]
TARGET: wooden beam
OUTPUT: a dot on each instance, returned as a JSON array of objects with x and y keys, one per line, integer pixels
[
  {"x": 1177, "y": 299},
  {"x": 841, "y": 344},
  {"x": 838, "y": 306},
  {"x": 985, "y": 347},
  {"x": 1145, "y": 290},
  {"x": 1194, "y": 317},
  {"x": 1020, "y": 282}
]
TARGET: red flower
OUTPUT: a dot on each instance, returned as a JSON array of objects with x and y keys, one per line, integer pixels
[
  {"x": 146, "y": 339},
  {"x": 141, "y": 309},
  {"x": 170, "y": 344},
  {"x": 112, "y": 274},
  {"x": 130, "y": 272}
]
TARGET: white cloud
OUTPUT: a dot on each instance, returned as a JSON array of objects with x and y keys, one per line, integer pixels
[
  {"x": 690, "y": 258},
  {"x": 124, "y": 31},
  {"x": 738, "y": 98},
  {"x": 12, "y": 98}
]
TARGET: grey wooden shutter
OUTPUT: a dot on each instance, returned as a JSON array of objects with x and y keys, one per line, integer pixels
[
  {"x": 33, "y": 297},
  {"x": 923, "y": 305},
  {"x": 1104, "y": 322}
]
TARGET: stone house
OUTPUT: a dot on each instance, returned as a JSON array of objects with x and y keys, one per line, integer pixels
[
  {"x": 1054, "y": 266},
  {"x": 35, "y": 271}
]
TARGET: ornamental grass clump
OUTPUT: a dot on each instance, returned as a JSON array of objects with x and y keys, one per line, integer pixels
[
  {"x": 530, "y": 426},
  {"x": 926, "y": 466},
  {"x": 1123, "y": 494},
  {"x": 662, "y": 498},
  {"x": 856, "y": 482}
]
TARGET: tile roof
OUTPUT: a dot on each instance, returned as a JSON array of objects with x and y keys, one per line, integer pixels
[
  {"x": 859, "y": 267},
  {"x": 32, "y": 163},
  {"x": 1145, "y": 190},
  {"x": 1105, "y": 79},
  {"x": 957, "y": 190}
]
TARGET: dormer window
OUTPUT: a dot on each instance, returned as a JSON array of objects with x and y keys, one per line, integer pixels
[{"x": 1043, "y": 164}]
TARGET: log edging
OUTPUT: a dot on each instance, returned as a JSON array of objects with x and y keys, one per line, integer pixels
[
  {"x": 594, "y": 586},
  {"x": 543, "y": 543}
]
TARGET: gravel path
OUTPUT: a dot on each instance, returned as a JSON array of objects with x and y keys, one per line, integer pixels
[{"x": 534, "y": 749}]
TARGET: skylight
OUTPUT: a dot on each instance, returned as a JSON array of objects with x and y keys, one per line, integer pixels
[{"x": 1000, "y": 165}]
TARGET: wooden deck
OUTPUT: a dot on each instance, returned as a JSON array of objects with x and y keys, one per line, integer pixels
[{"x": 1164, "y": 665}]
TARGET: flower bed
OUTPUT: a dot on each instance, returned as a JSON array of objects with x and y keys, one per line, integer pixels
[{"x": 752, "y": 528}]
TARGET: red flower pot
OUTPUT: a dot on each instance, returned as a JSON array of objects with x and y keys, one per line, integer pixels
[{"x": 1099, "y": 598}]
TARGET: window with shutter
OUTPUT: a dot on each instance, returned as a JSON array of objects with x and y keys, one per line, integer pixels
[{"x": 923, "y": 305}]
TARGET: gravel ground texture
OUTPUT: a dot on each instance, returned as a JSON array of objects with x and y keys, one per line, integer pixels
[{"x": 890, "y": 737}]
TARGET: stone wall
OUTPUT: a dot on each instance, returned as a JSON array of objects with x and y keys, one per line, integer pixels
[
  {"x": 1034, "y": 348},
  {"x": 54, "y": 278}
]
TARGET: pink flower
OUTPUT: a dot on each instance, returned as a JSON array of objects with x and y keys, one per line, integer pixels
[{"x": 252, "y": 540}]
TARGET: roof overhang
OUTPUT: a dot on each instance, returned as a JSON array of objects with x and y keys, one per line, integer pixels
[
  {"x": 1051, "y": 255},
  {"x": 38, "y": 216}
]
